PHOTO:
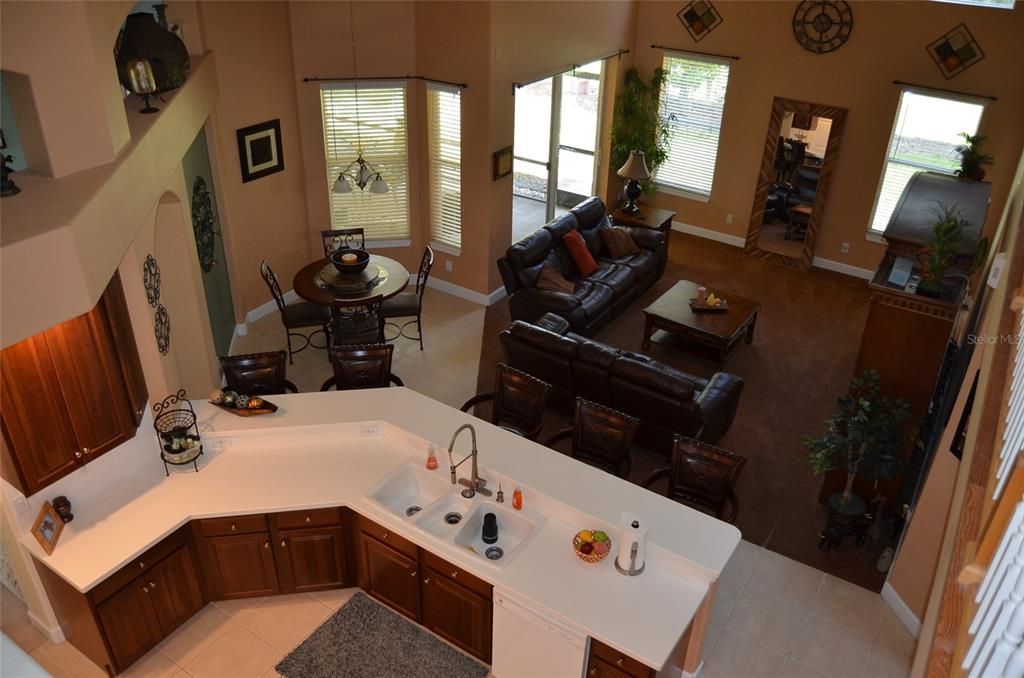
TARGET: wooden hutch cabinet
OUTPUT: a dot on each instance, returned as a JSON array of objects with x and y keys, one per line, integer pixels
[{"x": 69, "y": 394}]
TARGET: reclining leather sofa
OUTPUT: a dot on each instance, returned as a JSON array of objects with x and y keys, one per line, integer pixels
[{"x": 596, "y": 299}]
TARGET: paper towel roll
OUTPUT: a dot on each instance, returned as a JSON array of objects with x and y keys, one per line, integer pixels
[{"x": 633, "y": 531}]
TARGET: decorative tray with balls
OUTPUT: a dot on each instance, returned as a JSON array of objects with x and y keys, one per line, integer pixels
[
  {"x": 242, "y": 405},
  {"x": 591, "y": 546}
]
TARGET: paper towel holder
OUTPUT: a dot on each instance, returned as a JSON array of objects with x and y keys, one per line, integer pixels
[{"x": 633, "y": 569}]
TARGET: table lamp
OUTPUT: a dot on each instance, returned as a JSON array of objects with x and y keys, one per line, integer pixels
[{"x": 635, "y": 169}]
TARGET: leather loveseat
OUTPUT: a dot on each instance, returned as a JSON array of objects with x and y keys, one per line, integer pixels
[
  {"x": 666, "y": 400},
  {"x": 596, "y": 299}
]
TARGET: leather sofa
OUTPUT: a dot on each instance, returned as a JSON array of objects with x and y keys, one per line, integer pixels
[
  {"x": 666, "y": 400},
  {"x": 595, "y": 299}
]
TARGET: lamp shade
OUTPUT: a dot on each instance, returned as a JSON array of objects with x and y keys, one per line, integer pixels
[
  {"x": 379, "y": 185},
  {"x": 342, "y": 185},
  {"x": 635, "y": 167}
]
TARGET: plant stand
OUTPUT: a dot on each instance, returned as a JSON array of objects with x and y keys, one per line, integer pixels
[
  {"x": 167, "y": 421},
  {"x": 844, "y": 521}
]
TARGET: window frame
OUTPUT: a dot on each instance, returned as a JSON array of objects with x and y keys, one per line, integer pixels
[
  {"x": 681, "y": 191},
  {"x": 435, "y": 243}
]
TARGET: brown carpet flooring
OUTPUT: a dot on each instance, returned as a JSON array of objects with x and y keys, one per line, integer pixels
[{"x": 806, "y": 341}]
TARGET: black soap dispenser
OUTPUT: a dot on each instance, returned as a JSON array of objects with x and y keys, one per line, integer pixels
[{"x": 490, "y": 533}]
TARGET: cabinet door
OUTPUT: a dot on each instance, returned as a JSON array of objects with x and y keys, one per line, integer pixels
[
  {"x": 39, "y": 441},
  {"x": 457, "y": 614},
  {"x": 242, "y": 565},
  {"x": 599, "y": 668},
  {"x": 174, "y": 589},
  {"x": 116, "y": 311},
  {"x": 129, "y": 622},
  {"x": 389, "y": 576},
  {"x": 310, "y": 559}
]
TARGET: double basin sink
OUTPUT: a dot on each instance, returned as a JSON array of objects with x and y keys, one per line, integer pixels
[{"x": 428, "y": 500}]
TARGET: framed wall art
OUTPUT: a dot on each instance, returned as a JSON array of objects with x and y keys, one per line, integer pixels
[
  {"x": 259, "y": 150},
  {"x": 956, "y": 51},
  {"x": 700, "y": 18},
  {"x": 502, "y": 163}
]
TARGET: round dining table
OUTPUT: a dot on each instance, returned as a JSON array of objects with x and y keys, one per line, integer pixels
[{"x": 311, "y": 284}]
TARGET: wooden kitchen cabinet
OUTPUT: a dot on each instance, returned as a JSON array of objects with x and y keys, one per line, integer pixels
[
  {"x": 606, "y": 662},
  {"x": 240, "y": 565},
  {"x": 455, "y": 609},
  {"x": 129, "y": 622},
  {"x": 388, "y": 575},
  {"x": 174, "y": 589},
  {"x": 310, "y": 559},
  {"x": 69, "y": 394}
]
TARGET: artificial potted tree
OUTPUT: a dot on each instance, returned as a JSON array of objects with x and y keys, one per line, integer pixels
[
  {"x": 971, "y": 157},
  {"x": 865, "y": 438},
  {"x": 638, "y": 124},
  {"x": 949, "y": 242}
]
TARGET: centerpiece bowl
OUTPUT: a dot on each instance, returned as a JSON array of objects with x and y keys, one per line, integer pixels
[{"x": 350, "y": 261}]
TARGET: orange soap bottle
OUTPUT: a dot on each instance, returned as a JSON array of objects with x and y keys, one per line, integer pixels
[
  {"x": 431, "y": 458},
  {"x": 517, "y": 499}
]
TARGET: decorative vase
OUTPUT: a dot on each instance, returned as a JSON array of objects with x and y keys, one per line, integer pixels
[
  {"x": 930, "y": 290},
  {"x": 143, "y": 38}
]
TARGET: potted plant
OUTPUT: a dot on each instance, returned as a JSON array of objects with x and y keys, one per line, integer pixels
[
  {"x": 949, "y": 241},
  {"x": 971, "y": 157},
  {"x": 638, "y": 124},
  {"x": 864, "y": 437}
]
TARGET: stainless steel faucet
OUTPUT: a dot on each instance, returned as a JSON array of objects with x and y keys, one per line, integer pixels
[{"x": 476, "y": 483}]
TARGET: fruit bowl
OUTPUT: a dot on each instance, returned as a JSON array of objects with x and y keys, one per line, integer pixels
[
  {"x": 591, "y": 546},
  {"x": 362, "y": 258}
]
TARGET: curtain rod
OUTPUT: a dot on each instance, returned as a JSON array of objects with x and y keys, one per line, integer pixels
[
  {"x": 693, "y": 51},
  {"x": 572, "y": 67},
  {"x": 947, "y": 91},
  {"x": 460, "y": 85}
]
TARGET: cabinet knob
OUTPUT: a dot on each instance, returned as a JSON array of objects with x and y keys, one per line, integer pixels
[
  {"x": 142, "y": 565},
  {"x": 234, "y": 527},
  {"x": 86, "y": 450},
  {"x": 592, "y": 672},
  {"x": 384, "y": 535},
  {"x": 618, "y": 662},
  {"x": 284, "y": 543},
  {"x": 266, "y": 544},
  {"x": 413, "y": 573},
  {"x": 78, "y": 455},
  {"x": 152, "y": 585},
  {"x": 455, "y": 574},
  {"x": 426, "y": 580},
  {"x": 145, "y": 589},
  {"x": 309, "y": 519}
]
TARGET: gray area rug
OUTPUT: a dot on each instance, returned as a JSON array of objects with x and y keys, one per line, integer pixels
[{"x": 365, "y": 639}]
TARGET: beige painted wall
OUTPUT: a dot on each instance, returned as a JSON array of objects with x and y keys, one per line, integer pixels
[{"x": 887, "y": 43}]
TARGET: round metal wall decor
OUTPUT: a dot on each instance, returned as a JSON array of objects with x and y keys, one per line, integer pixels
[
  {"x": 162, "y": 328},
  {"x": 822, "y": 25},
  {"x": 204, "y": 224},
  {"x": 151, "y": 279}
]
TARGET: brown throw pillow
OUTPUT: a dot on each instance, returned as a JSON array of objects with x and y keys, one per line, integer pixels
[
  {"x": 553, "y": 281},
  {"x": 618, "y": 242}
]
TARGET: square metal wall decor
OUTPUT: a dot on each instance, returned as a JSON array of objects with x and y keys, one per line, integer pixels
[
  {"x": 956, "y": 51},
  {"x": 700, "y": 18},
  {"x": 259, "y": 150}
]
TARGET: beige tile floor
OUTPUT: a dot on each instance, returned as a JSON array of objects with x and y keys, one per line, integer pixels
[{"x": 773, "y": 616}]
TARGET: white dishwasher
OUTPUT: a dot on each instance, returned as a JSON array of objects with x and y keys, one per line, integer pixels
[{"x": 528, "y": 644}]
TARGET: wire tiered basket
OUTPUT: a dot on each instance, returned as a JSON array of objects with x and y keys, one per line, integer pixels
[{"x": 175, "y": 422}]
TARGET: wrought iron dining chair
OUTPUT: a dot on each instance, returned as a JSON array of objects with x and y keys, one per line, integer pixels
[
  {"x": 517, "y": 403},
  {"x": 333, "y": 240},
  {"x": 407, "y": 304},
  {"x": 703, "y": 477},
  {"x": 257, "y": 373},
  {"x": 601, "y": 437},
  {"x": 366, "y": 366},
  {"x": 360, "y": 323},
  {"x": 297, "y": 316}
]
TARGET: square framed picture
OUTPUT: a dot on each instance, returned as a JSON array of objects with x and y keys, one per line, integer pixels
[
  {"x": 259, "y": 150},
  {"x": 502, "y": 163},
  {"x": 956, "y": 51},
  {"x": 700, "y": 18},
  {"x": 47, "y": 527}
]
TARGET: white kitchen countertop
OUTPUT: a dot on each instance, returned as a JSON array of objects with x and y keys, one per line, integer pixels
[{"x": 330, "y": 449}]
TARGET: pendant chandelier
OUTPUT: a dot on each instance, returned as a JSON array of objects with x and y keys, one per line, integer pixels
[{"x": 359, "y": 171}]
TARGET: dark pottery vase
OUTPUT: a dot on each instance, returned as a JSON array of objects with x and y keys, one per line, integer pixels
[
  {"x": 930, "y": 290},
  {"x": 143, "y": 38}
]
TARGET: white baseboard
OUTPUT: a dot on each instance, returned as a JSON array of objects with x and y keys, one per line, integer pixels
[
  {"x": 465, "y": 293},
  {"x": 840, "y": 267},
  {"x": 903, "y": 613},
  {"x": 708, "y": 234},
  {"x": 54, "y": 633}
]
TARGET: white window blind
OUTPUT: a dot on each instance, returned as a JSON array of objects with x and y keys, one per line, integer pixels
[
  {"x": 692, "y": 100},
  {"x": 377, "y": 124},
  {"x": 444, "y": 120},
  {"x": 924, "y": 135}
]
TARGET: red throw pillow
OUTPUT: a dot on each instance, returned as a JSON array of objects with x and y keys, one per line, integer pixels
[{"x": 580, "y": 254}]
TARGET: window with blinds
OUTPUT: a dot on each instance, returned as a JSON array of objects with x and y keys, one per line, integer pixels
[
  {"x": 444, "y": 129},
  {"x": 924, "y": 137},
  {"x": 375, "y": 123},
  {"x": 692, "y": 100}
]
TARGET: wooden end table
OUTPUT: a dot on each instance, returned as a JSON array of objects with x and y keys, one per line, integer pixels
[{"x": 720, "y": 332}]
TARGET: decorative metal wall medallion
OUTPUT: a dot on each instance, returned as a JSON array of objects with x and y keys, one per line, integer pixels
[
  {"x": 162, "y": 328},
  {"x": 822, "y": 25},
  {"x": 699, "y": 17},
  {"x": 151, "y": 280},
  {"x": 955, "y": 51},
  {"x": 204, "y": 224}
]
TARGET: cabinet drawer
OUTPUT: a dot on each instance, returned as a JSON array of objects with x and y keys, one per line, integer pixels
[
  {"x": 213, "y": 527},
  {"x": 383, "y": 534},
  {"x": 119, "y": 579},
  {"x": 457, "y": 574},
  {"x": 614, "y": 658},
  {"x": 308, "y": 518}
]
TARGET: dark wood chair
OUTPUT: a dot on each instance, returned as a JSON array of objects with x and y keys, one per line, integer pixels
[
  {"x": 406, "y": 304},
  {"x": 702, "y": 476},
  {"x": 517, "y": 403},
  {"x": 257, "y": 373},
  {"x": 366, "y": 366},
  {"x": 357, "y": 324},
  {"x": 297, "y": 316},
  {"x": 333, "y": 240},
  {"x": 601, "y": 437}
]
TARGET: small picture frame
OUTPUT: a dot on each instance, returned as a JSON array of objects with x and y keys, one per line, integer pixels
[
  {"x": 502, "y": 163},
  {"x": 956, "y": 51},
  {"x": 47, "y": 527},
  {"x": 700, "y": 18},
  {"x": 259, "y": 150}
]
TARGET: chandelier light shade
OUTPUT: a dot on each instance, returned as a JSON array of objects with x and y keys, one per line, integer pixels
[{"x": 634, "y": 169}]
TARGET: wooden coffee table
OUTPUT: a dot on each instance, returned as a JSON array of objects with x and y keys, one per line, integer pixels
[{"x": 718, "y": 332}]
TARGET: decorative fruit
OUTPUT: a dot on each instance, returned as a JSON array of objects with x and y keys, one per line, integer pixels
[
  {"x": 229, "y": 398},
  {"x": 586, "y": 536},
  {"x": 586, "y": 548},
  {"x": 216, "y": 396},
  {"x": 599, "y": 535},
  {"x": 601, "y": 547},
  {"x": 242, "y": 402},
  {"x": 255, "y": 403},
  {"x": 712, "y": 300}
]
